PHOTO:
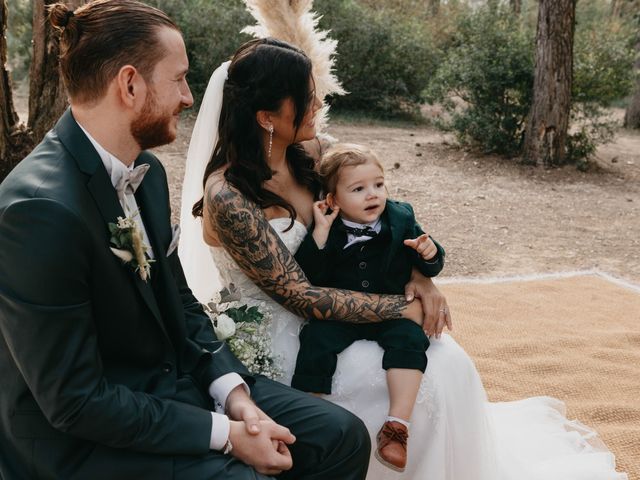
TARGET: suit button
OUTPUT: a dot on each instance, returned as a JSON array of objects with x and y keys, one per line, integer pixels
[
  {"x": 365, "y": 284},
  {"x": 167, "y": 367},
  {"x": 362, "y": 265}
]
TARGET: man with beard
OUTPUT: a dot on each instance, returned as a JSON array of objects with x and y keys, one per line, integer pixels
[{"x": 110, "y": 368}]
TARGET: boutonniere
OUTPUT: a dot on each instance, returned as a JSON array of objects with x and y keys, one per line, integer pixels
[{"x": 129, "y": 246}]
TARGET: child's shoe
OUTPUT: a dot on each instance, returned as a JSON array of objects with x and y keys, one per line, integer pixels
[{"x": 392, "y": 445}]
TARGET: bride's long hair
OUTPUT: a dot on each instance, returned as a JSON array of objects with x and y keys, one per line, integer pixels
[{"x": 262, "y": 74}]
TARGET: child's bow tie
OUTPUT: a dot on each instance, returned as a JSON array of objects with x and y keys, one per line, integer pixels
[{"x": 361, "y": 232}]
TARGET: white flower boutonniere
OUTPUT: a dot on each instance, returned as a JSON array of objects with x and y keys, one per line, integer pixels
[{"x": 129, "y": 246}]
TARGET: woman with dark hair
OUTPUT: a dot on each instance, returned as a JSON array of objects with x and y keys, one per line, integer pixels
[{"x": 255, "y": 187}]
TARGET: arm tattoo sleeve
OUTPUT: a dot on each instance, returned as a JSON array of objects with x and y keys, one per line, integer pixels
[{"x": 246, "y": 234}]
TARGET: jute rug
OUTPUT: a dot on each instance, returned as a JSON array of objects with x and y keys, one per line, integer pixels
[{"x": 574, "y": 336}]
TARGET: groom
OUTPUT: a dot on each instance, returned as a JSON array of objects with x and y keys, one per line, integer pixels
[{"x": 109, "y": 367}]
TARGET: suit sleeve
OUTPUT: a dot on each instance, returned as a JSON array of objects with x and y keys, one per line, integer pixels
[
  {"x": 217, "y": 359},
  {"x": 428, "y": 268},
  {"x": 46, "y": 319},
  {"x": 313, "y": 261},
  {"x": 214, "y": 358}
]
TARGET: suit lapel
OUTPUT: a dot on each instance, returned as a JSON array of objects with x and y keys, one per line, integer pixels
[
  {"x": 102, "y": 191},
  {"x": 397, "y": 225}
]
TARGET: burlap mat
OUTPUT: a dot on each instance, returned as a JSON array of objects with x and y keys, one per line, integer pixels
[{"x": 575, "y": 338}]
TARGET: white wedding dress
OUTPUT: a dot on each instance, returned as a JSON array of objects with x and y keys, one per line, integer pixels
[{"x": 455, "y": 433}]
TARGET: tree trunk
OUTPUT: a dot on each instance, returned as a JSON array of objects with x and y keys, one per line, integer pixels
[
  {"x": 616, "y": 6},
  {"x": 15, "y": 140},
  {"x": 548, "y": 122},
  {"x": 47, "y": 95},
  {"x": 516, "y": 5},
  {"x": 632, "y": 115},
  {"x": 433, "y": 7}
]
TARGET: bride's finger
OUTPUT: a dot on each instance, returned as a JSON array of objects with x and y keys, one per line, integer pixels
[{"x": 442, "y": 320}]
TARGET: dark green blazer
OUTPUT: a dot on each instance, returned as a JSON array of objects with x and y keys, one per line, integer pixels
[
  {"x": 95, "y": 364},
  {"x": 380, "y": 265}
]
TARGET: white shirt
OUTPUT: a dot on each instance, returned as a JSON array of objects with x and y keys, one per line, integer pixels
[{"x": 219, "y": 388}]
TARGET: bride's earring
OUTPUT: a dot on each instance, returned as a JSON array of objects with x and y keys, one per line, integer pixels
[{"x": 270, "y": 140}]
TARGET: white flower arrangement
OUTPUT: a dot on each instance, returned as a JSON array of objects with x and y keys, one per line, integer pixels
[{"x": 246, "y": 330}]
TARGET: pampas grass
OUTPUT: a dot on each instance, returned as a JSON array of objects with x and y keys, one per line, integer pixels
[{"x": 294, "y": 22}]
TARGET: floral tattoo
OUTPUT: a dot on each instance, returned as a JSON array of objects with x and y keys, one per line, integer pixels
[{"x": 245, "y": 233}]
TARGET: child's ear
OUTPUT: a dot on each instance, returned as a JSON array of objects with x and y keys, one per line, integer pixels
[{"x": 331, "y": 201}]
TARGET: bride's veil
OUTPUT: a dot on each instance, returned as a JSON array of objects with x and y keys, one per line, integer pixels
[{"x": 199, "y": 267}]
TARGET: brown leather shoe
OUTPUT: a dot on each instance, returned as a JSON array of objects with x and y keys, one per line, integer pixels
[{"x": 392, "y": 445}]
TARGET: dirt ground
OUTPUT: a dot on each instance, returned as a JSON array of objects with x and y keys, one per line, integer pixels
[{"x": 494, "y": 216}]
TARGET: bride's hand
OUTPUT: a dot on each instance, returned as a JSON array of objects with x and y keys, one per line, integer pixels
[{"x": 434, "y": 304}]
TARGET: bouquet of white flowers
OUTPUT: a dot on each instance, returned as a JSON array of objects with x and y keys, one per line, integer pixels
[{"x": 246, "y": 331}]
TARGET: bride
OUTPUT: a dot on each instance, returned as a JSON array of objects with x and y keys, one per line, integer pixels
[{"x": 255, "y": 186}]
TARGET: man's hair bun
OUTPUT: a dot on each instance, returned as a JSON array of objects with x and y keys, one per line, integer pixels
[{"x": 60, "y": 15}]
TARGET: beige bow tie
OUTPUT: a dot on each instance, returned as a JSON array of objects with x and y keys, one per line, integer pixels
[{"x": 131, "y": 180}]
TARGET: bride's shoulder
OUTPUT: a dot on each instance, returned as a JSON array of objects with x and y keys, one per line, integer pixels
[
  {"x": 215, "y": 183},
  {"x": 221, "y": 197},
  {"x": 217, "y": 188}
]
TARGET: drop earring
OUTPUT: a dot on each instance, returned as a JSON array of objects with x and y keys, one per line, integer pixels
[{"x": 270, "y": 140}]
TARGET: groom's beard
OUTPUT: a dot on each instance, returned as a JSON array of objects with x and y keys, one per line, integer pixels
[{"x": 153, "y": 128}]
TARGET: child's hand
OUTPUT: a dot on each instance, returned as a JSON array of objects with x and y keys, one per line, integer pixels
[
  {"x": 323, "y": 222},
  {"x": 424, "y": 246}
]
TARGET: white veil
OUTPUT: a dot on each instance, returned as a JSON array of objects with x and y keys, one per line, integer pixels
[{"x": 199, "y": 268}]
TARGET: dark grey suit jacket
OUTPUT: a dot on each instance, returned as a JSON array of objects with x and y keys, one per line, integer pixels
[{"x": 102, "y": 374}]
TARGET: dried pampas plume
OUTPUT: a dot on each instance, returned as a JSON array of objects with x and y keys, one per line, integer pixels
[{"x": 295, "y": 23}]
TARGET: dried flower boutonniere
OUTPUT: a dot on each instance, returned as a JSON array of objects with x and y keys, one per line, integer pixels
[{"x": 129, "y": 246}]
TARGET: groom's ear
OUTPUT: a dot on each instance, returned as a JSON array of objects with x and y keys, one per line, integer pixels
[
  {"x": 131, "y": 87},
  {"x": 263, "y": 117}
]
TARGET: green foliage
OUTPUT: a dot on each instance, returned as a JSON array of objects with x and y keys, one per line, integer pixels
[
  {"x": 485, "y": 81},
  {"x": 212, "y": 34},
  {"x": 602, "y": 74},
  {"x": 245, "y": 314},
  {"x": 603, "y": 58},
  {"x": 19, "y": 27},
  {"x": 384, "y": 59}
]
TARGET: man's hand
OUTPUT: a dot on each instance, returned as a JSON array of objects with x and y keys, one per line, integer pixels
[
  {"x": 323, "y": 222},
  {"x": 266, "y": 451},
  {"x": 423, "y": 245},
  {"x": 240, "y": 407},
  {"x": 434, "y": 304}
]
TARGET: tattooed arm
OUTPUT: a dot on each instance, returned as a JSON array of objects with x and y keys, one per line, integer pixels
[{"x": 243, "y": 230}]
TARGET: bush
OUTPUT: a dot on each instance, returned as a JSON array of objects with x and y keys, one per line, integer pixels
[
  {"x": 602, "y": 74},
  {"x": 384, "y": 60},
  {"x": 485, "y": 81},
  {"x": 19, "y": 38},
  {"x": 211, "y": 32},
  {"x": 603, "y": 62}
]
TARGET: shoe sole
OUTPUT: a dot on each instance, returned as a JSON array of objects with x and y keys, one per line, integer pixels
[{"x": 387, "y": 464}]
